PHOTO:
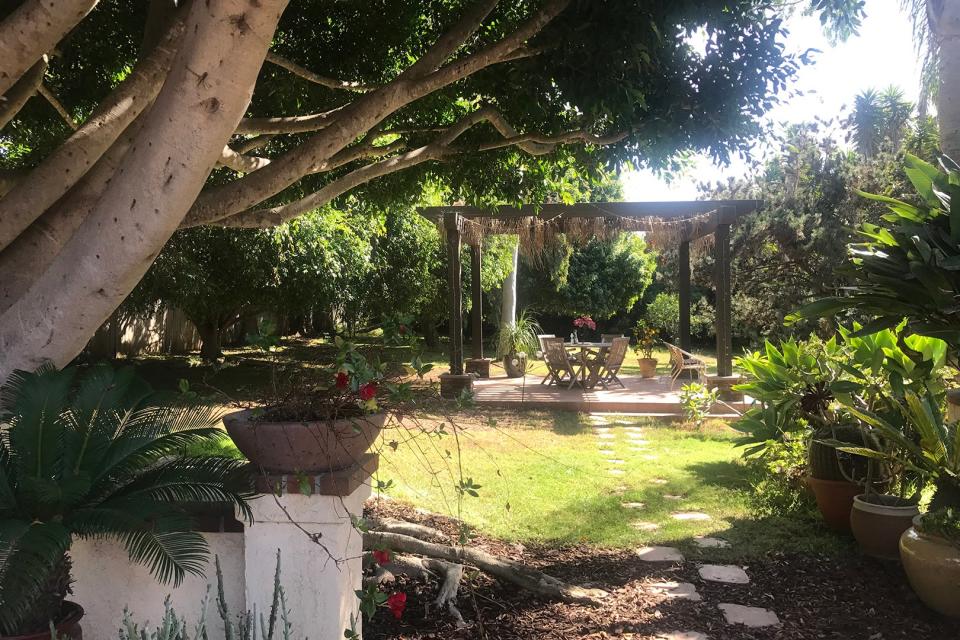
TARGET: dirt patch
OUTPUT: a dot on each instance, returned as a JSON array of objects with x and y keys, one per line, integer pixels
[{"x": 815, "y": 597}]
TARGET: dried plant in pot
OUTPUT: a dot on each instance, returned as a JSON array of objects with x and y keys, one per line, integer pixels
[{"x": 323, "y": 426}]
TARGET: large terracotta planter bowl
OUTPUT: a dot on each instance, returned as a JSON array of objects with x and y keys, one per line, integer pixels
[
  {"x": 69, "y": 627},
  {"x": 933, "y": 569},
  {"x": 878, "y": 522},
  {"x": 303, "y": 447},
  {"x": 835, "y": 500}
]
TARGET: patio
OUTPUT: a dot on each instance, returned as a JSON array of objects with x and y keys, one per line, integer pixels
[{"x": 652, "y": 397}]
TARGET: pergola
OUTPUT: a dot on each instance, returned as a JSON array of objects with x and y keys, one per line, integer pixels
[{"x": 679, "y": 222}]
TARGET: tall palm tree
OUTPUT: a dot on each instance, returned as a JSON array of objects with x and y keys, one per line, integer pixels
[{"x": 99, "y": 455}]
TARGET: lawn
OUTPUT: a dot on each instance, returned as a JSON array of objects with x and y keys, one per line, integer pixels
[{"x": 544, "y": 477}]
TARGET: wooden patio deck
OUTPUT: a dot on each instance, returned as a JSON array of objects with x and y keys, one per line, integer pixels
[{"x": 649, "y": 397}]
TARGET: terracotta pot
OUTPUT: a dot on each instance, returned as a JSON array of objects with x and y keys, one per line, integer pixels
[
  {"x": 303, "y": 447},
  {"x": 648, "y": 367},
  {"x": 515, "y": 364},
  {"x": 835, "y": 500},
  {"x": 878, "y": 521},
  {"x": 68, "y": 627},
  {"x": 933, "y": 568}
]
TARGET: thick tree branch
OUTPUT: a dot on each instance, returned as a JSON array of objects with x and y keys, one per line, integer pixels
[
  {"x": 240, "y": 162},
  {"x": 23, "y": 90},
  {"x": 33, "y": 29},
  {"x": 324, "y": 81},
  {"x": 252, "y": 144},
  {"x": 54, "y": 101},
  {"x": 289, "y": 124},
  {"x": 353, "y": 121},
  {"x": 544, "y": 144},
  {"x": 452, "y": 39},
  {"x": 61, "y": 170}
]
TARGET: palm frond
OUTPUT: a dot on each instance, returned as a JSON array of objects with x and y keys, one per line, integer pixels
[{"x": 28, "y": 553}]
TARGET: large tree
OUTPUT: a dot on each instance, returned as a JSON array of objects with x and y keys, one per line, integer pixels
[{"x": 178, "y": 126}]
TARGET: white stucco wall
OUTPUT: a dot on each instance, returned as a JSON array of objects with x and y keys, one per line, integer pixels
[{"x": 106, "y": 582}]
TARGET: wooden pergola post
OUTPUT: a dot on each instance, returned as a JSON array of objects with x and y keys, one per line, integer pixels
[
  {"x": 454, "y": 382},
  {"x": 721, "y": 248},
  {"x": 451, "y": 223},
  {"x": 477, "y": 364},
  {"x": 683, "y": 286}
]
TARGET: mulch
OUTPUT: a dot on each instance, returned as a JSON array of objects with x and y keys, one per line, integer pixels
[{"x": 816, "y": 597}]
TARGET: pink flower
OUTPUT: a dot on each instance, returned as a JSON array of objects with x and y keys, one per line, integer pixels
[
  {"x": 585, "y": 321},
  {"x": 368, "y": 391},
  {"x": 343, "y": 380},
  {"x": 381, "y": 556},
  {"x": 397, "y": 603}
]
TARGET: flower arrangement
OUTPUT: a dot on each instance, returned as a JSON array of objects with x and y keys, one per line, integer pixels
[
  {"x": 585, "y": 322},
  {"x": 646, "y": 336}
]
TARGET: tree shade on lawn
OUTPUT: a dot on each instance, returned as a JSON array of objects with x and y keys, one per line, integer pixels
[{"x": 480, "y": 96}]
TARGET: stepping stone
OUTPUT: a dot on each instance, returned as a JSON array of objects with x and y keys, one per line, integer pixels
[
  {"x": 638, "y": 442},
  {"x": 705, "y": 542},
  {"x": 681, "y": 590},
  {"x": 614, "y": 461},
  {"x": 633, "y": 505},
  {"x": 619, "y": 490},
  {"x": 606, "y": 436},
  {"x": 682, "y": 635},
  {"x": 639, "y": 449},
  {"x": 659, "y": 554},
  {"x": 748, "y": 616},
  {"x": 658, "y": 481},
  {"x": 726, "y": 573},
  {"x": 695, "y": 516},
  {"x": 606, "y": 452},
  {"x": 616, "y": 472},
  {"x": 650, "y": 457},
  {"x": 670, "y": 496},
  {"x": 645, "y": 526}
]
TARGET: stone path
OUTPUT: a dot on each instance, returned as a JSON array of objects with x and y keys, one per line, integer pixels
[{"x": 734, "y": 614}]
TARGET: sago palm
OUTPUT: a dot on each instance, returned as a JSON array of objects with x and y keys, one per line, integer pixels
[{"x": 99, "y": 455}]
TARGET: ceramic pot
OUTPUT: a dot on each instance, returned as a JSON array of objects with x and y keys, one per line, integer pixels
[
  {"x": 648, "y": 367},
  {"x": 303, "y": 447},
  {"x": 515, "y": 364},
  {"x": 69, "y": 627},
  {"x": 878, "y": 521},
  {"x": 933, "y": 568},
  {"x": 835, "y": 500}
]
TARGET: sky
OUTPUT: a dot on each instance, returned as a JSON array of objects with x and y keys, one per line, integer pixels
[{"x": 883, "y": 54}]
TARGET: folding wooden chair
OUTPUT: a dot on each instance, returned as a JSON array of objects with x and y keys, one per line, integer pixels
[
  {"x": 681, "y": 361},
  {"x": 559, "y": 364},
  {"x": 614, "y": 360},
  {"x": 610, "y": 337},
  {"x": 543, "y": 349}
]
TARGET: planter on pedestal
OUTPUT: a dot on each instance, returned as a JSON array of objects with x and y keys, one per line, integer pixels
[
  {"x": 932, "y": 565},
  {"x": 878, "y": 521},
  {"x": 306, "y": 446}
]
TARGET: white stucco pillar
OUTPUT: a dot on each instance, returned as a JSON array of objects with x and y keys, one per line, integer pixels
[{"x": 318, "y": 581}]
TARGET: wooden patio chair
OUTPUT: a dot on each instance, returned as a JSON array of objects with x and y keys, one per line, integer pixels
[
  {"x": 681, "y": 361},
  {"x": 615, "y": 356},
  {"x": 543, "y": 350},
  {"x": 610, "y": 337},
  {"x": 559, "y": 364}
]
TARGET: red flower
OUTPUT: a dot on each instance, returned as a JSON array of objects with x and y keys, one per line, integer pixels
[
  {"x": 381, "y": 556},
  {"x": 368, "y": 391},
  {"x": 397, "y": 603},
  {"x": 343, "y": 380},
  {"x": 402, "y": 330}
]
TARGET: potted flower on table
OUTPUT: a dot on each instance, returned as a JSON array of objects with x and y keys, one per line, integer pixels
[
  {"x": 646, "y": 340},
  {"x": 581, "y": 323}
]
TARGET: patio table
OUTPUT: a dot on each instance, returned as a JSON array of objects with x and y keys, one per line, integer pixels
[{"x": 590, "y": 359}]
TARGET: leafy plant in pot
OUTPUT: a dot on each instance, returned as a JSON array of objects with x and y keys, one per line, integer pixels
[
  {"x": 320, "y": 426},
  {"x": 926, "y": 448},
  {"x": 646, "y": 340},
  {"x": 515, "y": 343},
  {"x": 99, "y": 455}
]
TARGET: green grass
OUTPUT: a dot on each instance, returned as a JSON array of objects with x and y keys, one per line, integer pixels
[{"x": 543, "y": 479}]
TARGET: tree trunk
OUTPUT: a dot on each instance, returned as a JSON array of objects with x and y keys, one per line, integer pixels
[
  {"x": 210, "y": 337},
  {"x": 945, "y": 25},
  {"x": 202, "y": 100},
  {"x": 508, "y": 304}
]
